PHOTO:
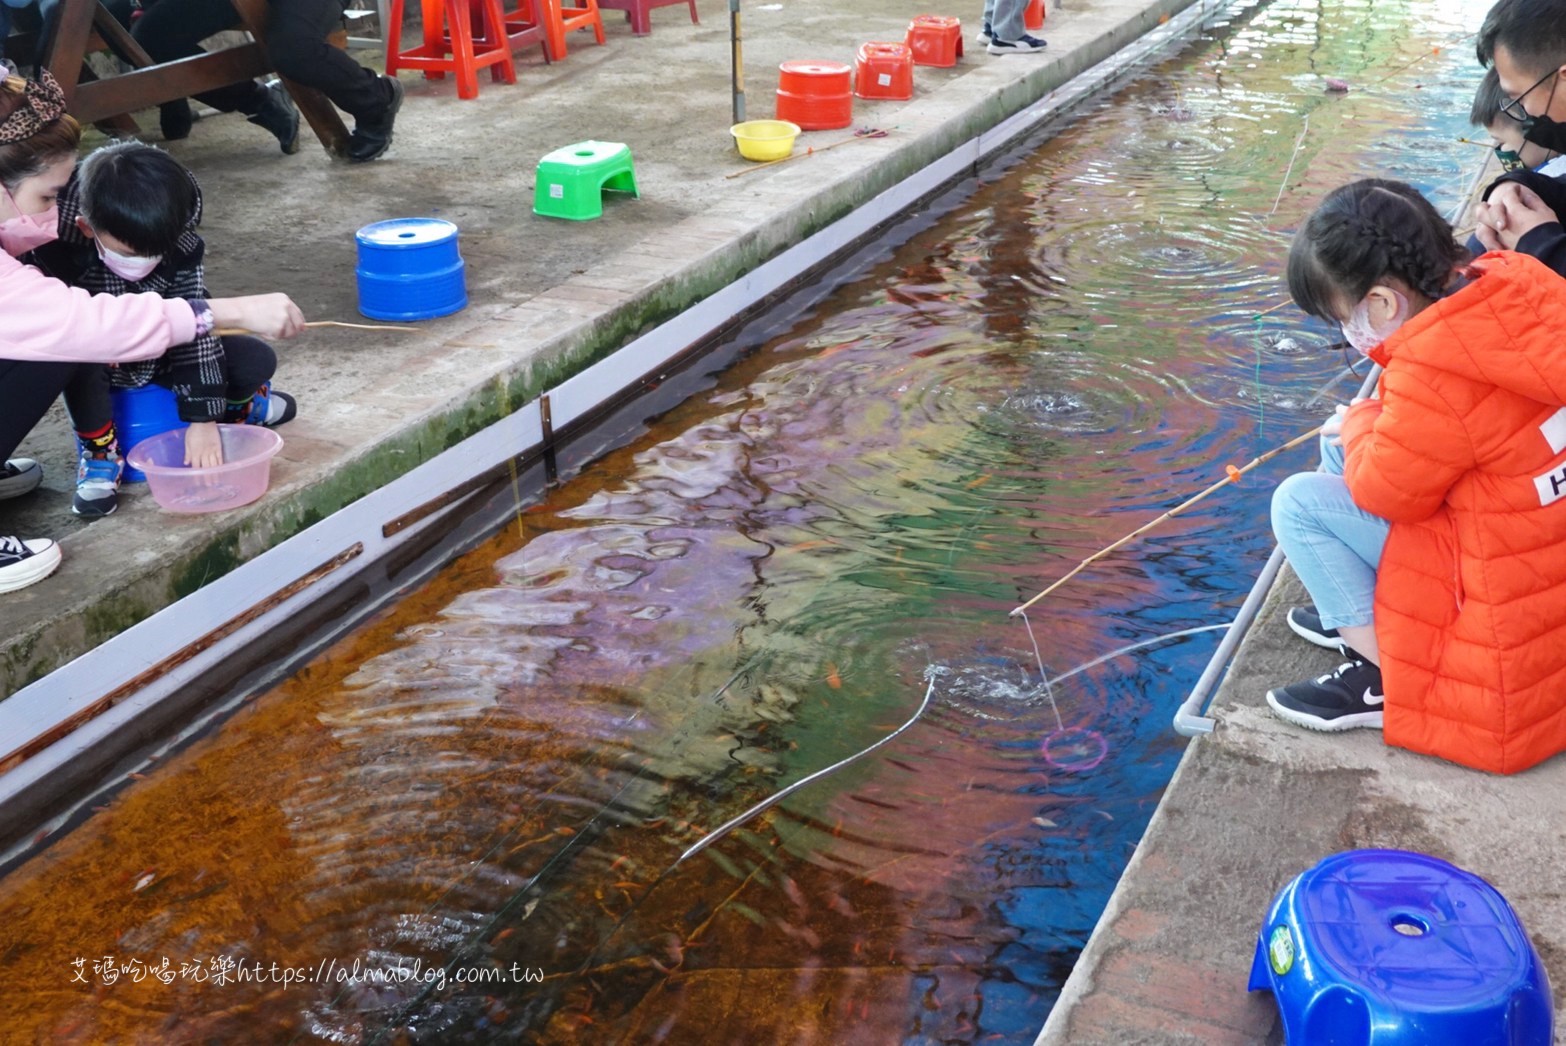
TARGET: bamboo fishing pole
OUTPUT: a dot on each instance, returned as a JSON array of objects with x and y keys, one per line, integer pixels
[
  {"x": 1231, "y": 475},
  {"x": 229, "y": 331}
]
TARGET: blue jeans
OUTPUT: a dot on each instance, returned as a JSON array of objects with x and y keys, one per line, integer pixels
[
  {"x": 1332, "y": 544},
  {"x": 1004, "y": 17}
]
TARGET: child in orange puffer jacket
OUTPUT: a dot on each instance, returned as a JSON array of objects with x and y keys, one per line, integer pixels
[{"x": 1432, "y": 541}]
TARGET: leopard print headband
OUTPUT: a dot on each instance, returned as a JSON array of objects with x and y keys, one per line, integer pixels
[{"x": 42, "y": 103}]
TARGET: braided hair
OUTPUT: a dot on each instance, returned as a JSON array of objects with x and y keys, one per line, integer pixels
[{"x": 1362, "y": 233}]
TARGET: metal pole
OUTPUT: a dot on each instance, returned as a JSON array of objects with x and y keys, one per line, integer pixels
[{"x": 736, "y": 61}]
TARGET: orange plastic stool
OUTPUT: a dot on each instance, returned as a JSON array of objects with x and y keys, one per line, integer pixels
[
  {"x": 935, "y": 40},
  {"x": 638, "y": 12},
  {"x": 556, "y": 21},
  {"x": 475, "y": 37},
  {"x": 1033, "y": 15},
  {"x": 815, "y": 95},
  {"x": 884, "y": 70}
]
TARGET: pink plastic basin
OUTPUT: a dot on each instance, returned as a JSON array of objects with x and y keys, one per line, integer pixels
[{"x": 247, "y": 465}]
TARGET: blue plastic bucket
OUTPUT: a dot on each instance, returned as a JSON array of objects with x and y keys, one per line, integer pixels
[
  {"x": 410, "y": 269},
  {"x": 141, "y": 414}
]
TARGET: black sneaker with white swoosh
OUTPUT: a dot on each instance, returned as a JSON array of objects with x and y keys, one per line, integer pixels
[{"x": 1344, "y": 699}]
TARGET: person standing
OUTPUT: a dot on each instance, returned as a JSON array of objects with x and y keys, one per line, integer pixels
[{"x": 1004, "y": 32}]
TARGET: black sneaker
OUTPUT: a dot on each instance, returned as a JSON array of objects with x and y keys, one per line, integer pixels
[
  {"x": 19, "y": 476},
  {"x": 1024, "y": 44},
  {"x": 372, "y": 136},
  {"x": 1306, "y": 624},
  {"x": 1340, "y": 700},
  {"x": 279, "y": 116},
  {"x": 986, "y": 34},
  {"x": 23, "y": 563}
]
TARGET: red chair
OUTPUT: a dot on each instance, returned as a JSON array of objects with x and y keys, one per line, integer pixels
[
  {"x": 556, "y": 21},
  {"x": 884, "y": 70},
  {"x": 475, "y": 37},
  {"x": 1033, "y": 15},
  {"x": 935, "y": 40},
  {"x": 637, "y": 12}
]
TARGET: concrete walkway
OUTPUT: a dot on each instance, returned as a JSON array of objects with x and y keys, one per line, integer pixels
[
  {"x": 1257, "y": 802},
  {"x": 547, "y": 297}
]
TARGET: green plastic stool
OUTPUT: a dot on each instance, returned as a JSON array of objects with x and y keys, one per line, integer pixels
[{"x": 570, "y": 182}]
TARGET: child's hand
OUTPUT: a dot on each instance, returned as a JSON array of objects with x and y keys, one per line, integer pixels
[
  {"x": 203, "y": 445},
  {"x": 1332, "y": 428}
]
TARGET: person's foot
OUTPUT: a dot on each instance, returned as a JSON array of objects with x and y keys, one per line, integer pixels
[
  {"x": 1306, "y": 623},
  {"x": 1343, "y": 699},
  {"x": 175, "y": 119},
  {"x": 26, "y": 562},
  {"x": 985, "y": 34},
  {"x": 270, "y": 408},
  {"x": 1024, "y": 44},
  {"x": 97, "y": 485},
  {"x": 19, "y": 476},
  {"x": 372, "y": 136},
  {"x": 279, "y": 116}
]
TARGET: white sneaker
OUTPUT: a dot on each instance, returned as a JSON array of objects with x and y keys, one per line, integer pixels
[
  {"x": 984, "y": 35},
  {"x": 1024, "y": 44},
  {"x": 23, "y": 563},
  {"x": 19, "y": 476}
]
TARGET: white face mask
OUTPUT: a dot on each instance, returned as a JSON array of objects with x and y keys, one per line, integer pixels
[
  {"x": 127, "y": 266},
  {"x": 1362, "y": 335}
]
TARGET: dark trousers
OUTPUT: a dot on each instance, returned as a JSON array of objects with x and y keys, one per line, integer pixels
[
  {"x": 27, "y": 391},
  {"x": 171, "y": 29},
  {"x": 296, "y": 41},
  {"x": 250, "y": 362}
]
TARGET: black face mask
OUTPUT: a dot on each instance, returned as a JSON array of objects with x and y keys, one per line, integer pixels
[{"x": 1542, "y": 130}]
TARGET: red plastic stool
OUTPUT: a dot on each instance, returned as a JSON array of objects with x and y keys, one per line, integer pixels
[
  {"x": 556, "y": 21},
  {"x": 638, "y": 12},
  {"x": 815, "y": 95},
  {"x": 459, "y": 50},
  {"x": 935, "y": 40},
  {"x": 526, "y": 26},
  {"x": 884, "y": 70},
  {"x": 1033, "y": 15}
]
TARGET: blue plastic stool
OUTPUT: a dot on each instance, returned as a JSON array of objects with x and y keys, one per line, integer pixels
[
  {"x": 1388, "y": 947},
  {"x": 141, "y": 414},
  {"x": 410, "y": 269}
]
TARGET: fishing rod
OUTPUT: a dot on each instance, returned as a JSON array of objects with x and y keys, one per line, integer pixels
[{"x": 1231, "y": 475}]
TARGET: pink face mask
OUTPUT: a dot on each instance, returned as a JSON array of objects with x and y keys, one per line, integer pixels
[
  {"x": 1364, "y": 337},
  {"x": 127, "y": 266},
  {"x": 24, "y": 232}
]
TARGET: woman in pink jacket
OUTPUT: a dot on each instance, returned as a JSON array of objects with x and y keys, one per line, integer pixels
[{"x": 48, "y": 329}]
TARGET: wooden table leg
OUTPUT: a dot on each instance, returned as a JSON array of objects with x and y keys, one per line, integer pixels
[
  {"x": 317, "y": 110},
  {"x": 67, "y": 48}
]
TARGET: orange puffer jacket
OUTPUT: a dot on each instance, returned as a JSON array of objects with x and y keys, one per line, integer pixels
[{"x": 1465, "y": 454}]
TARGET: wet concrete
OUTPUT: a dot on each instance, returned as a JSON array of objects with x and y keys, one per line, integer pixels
[{"x": 547, "y": 297}]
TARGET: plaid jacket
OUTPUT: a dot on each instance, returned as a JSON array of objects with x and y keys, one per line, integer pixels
[{"x": 196, "y": 371}]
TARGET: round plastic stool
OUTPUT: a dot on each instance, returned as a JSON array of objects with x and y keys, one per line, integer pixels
[
  {"x": 816, "y": 95},
  {"x": 140, "y": 414},
  {"x": 1393, "y": 948},
  {"x": 410, "y": 269}
]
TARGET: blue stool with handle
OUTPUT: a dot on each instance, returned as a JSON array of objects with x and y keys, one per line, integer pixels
[
  {"x": 1391, "y": 948},
  {"x": 140, "y": 414}
]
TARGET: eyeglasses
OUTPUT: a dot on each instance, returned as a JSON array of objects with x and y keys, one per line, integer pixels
[{"x": 1514, "y": 108}]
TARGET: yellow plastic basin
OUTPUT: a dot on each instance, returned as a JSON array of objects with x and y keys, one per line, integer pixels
[{"x": 765, "y": 139}]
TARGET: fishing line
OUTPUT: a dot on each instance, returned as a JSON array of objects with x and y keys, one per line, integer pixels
[{"x": 1043, "y": 675}]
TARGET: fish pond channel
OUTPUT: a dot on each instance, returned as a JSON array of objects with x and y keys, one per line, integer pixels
[{"x": 454, "y": 825}]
